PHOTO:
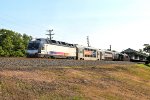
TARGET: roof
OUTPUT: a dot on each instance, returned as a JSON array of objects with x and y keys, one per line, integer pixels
[{"x": 129, "y": 51}]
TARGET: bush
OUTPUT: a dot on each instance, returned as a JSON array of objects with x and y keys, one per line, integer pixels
[
  {"x": 147, "y": 60},
  {"x": 2, "y": 53}
]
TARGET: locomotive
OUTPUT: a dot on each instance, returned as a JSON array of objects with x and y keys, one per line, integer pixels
[{"x": 45, "y": 48}]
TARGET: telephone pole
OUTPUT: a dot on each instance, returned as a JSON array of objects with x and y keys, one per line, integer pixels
[
  {"x": 50, "y": 34},
  {"x": 110, "y": 47},
  {"x": 88, "y": 43}
]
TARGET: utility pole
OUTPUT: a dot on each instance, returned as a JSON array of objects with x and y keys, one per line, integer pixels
[
  {"x": 110, "y": 48},
  {"x": 50, "y": 34},
  {"x": 88, "y": 43}
]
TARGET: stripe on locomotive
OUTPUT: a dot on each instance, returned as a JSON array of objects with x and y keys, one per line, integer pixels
[{"x": 58, "y": 53}]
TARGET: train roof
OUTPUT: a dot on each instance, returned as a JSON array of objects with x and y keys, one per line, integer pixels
[
  {"x": 81, "y": 46},
  {"x": 55, "y": 42}
]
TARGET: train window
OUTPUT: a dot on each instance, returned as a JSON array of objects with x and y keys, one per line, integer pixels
[
  {"x": 42, "y": 48},
  {"x": 33, "y": 46},
  {"x": 38, "y": 39},
  {"x": 108, "y": 52},
  {"x": 90, "y": 52}
]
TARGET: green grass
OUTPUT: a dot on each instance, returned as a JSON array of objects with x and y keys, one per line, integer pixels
[{"x": 147, "y": 66}]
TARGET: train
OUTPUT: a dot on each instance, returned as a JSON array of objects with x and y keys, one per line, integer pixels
[{"x": 45, "y": 48}]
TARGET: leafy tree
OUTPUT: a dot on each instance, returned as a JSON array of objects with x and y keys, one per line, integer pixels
[
  {"x": 7, "y": 43},
  {"x": 26, "y": 40},
  {"x": 13, "y": 43},
  {"x": 1, "y": 51},
  {"x": 140, "y": 50},
  {"x": 147, "y": 49}
]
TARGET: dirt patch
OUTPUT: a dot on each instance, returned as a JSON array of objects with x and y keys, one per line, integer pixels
[{"x": 36, "y": 75}]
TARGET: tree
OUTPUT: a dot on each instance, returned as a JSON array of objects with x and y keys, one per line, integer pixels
[
  {"x": 26, "y": 39},
  {"x": 147, "y": 48},
  {"x": 13, "y": 43},
  {"x": 1, "y": 51},
  {"x": 140, "y": 50}
]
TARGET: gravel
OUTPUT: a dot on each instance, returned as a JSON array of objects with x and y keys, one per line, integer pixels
[{"x": 42, "y": 62}]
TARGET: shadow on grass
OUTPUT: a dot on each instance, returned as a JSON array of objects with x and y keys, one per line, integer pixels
[{"x": 148, "y": 65}]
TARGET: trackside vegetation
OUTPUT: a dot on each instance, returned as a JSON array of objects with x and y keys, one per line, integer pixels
[
  {"x": 105, "y": 82},
  {"x": 13, "y": 44}
]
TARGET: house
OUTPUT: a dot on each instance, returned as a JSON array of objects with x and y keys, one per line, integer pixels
[{"x": 135, "y": 55}]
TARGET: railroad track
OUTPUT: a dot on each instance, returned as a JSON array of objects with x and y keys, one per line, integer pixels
[{"x": 44, "y": 62}]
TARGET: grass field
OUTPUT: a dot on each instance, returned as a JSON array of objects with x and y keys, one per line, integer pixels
[{"x": 108, "y": 82}]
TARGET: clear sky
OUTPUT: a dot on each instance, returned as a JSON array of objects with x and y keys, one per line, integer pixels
[{"x": 120, "y": 23}]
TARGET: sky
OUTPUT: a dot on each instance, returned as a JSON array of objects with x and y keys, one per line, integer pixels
[{"x": 120, "y": 23}]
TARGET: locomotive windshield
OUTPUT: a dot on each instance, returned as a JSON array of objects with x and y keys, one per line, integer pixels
[{"x": 33, "y": 46}]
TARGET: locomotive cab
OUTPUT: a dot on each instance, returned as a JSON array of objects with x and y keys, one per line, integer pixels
[{"x": 35, "y": 48}]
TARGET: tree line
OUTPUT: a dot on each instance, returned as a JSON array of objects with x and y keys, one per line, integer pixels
[{"x": 13, "y": 44}]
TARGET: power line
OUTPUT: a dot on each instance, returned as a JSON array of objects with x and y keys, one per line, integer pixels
[{"x": 50, "y": 34}]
